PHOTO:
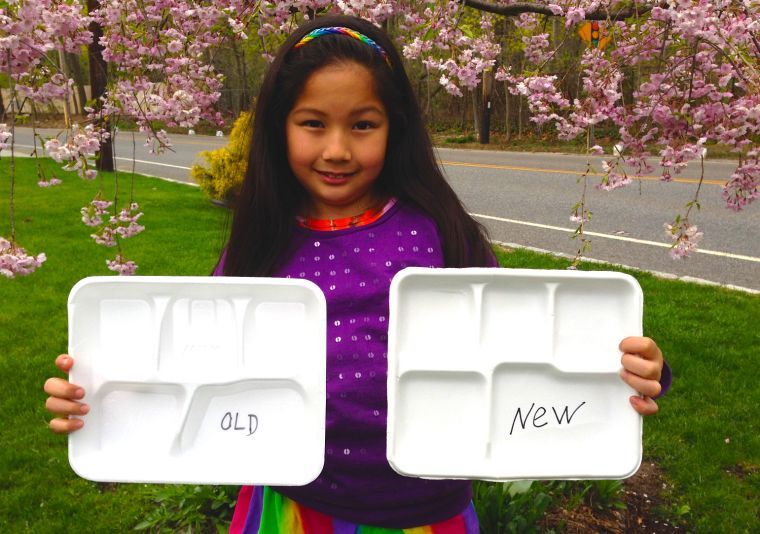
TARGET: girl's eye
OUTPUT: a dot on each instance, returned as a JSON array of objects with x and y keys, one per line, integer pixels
[
  {"x": 312, "y": 124},
  {"x": 364, "y": 125}
]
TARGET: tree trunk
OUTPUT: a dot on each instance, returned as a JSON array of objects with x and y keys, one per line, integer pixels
[
  {"x": 507, "y": 122},
  {"x": 520, "y": 117},
  {"x": 520, "y": 107},
  {"x": 98, "y": 81},
  {"x": 463, "y": 121},
  {"x": 475, "y": 121},
  {"x": 67, "y": 96},
  {"x": 76, "y": 73},
  {"x": 485, "y": 117},
  {"x": 242, "y": 102}
]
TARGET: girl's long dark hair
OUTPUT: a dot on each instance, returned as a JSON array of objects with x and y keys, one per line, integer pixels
[{"x": 264, "y": 218}]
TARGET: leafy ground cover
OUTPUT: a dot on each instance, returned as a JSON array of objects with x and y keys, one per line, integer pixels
[{"x": 702, "y": 452}]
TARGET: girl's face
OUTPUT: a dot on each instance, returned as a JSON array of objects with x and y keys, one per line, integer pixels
[{"x": 337, "y": 133}]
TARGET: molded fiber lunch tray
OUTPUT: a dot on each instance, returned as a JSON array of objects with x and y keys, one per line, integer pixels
[
  {"x": 199, "y": 380},
  {"x": 504, "y": 374},
  {"x": 494, "y": 374}
]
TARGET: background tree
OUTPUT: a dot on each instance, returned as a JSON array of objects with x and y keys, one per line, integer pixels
[{"x": 675, "y": 76}]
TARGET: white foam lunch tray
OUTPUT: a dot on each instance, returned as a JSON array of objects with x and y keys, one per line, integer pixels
[
  {"x": 505, "y": 374},
  {"x": 199, "y": 379}
]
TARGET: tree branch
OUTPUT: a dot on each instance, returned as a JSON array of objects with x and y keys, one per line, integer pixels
[{"x": 512, "y": 10}]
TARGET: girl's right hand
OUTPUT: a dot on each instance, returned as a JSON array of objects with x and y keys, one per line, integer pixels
[{"x": 63, "y": 399}]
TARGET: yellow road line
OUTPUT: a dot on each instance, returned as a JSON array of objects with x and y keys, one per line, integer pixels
[{"x": 575, "y": 173}]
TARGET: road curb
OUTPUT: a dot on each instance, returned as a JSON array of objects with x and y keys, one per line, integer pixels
[{"x": 658, "y": 274}]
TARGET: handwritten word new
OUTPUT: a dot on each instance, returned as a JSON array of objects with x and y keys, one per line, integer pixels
[
  {"x": 539, "y": 414},
  {"x": 230, "y": 422}
]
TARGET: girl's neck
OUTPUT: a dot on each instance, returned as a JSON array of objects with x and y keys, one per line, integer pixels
[
  {"x": 367, "y": 216},
  {"x": 316, "y": 210}
]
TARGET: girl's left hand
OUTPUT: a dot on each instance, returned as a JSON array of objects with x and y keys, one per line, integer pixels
[{"x": 642, "y": 367}]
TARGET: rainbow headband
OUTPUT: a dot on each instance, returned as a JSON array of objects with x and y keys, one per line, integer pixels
[{"x": 340, "y": 30}]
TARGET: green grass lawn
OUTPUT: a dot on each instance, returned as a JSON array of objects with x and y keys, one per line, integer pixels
[
  {"x": 706, "y": 438},
  {"x": 183, "y": 236}
]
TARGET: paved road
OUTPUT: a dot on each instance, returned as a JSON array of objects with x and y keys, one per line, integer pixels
[{"x": 525, "y": 198}]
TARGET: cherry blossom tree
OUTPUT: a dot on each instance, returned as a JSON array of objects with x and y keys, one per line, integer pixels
[{"x": 697, "y": 82}]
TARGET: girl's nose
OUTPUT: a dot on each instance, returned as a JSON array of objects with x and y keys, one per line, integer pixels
[{"x": 336, "y": 148}]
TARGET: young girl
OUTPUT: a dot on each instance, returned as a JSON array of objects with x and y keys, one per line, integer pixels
[{"x": 343, "y": 189}]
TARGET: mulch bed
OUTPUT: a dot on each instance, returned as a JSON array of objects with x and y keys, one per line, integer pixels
[{"x": 642, "y": 495}]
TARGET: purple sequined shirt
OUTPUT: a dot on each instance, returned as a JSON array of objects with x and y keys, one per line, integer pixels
[{"x": 354, "y": 268}]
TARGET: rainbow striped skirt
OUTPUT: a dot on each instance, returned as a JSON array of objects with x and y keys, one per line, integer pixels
[{"x": 261, "y": 510}]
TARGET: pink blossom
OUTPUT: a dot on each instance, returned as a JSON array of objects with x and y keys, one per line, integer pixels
[
  {"x": 613, "y": 180},
  {"x": 5, "y": 136},
  {"x": 122, "y": 266},
  {"x": 106, "y": 236},
  {"x": 743, "y": 187},
  {"x": 14, "y": 261},
  {"x": 53, "y": 181},
  {"x": 574, "y": 15},
  {"x": 92, "y": 214},
  {"x": 174, "y": 46},
  {"x": 120, "y": 226},
  {"x": 685, "y": 238}
]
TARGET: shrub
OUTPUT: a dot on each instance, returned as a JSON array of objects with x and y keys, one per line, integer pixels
[
  {"x": 511, "y": 507},
  {"x": 189, "y": 509},
  {"x": 222, "y": 179}
]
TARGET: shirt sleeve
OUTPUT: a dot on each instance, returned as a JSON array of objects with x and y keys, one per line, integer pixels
[{"x": 666, "y": 379}]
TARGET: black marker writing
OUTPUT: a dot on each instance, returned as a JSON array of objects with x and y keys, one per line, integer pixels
[
  {"x": 230, "y": 422},
  {"x": 540, "y": 412}
]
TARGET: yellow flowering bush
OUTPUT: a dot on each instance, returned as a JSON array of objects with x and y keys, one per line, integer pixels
[{"x": 222, "y": 177}]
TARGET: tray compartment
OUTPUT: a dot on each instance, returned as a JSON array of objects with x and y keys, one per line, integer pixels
[
  {"x": 517, "y": 322},
  {"x": 577, "y": 425},
  {"x": 591, "y": 318},
  {"x": 287, "y": 321},
  {"x": 438, "y": 415},
  {"x": 112, "y": 444},
  {"x": 198, "y": 333},
  {"x": 220, "y": 414},
  {"x": 126, "y": 334},
  {"x": 275, "y": 328},
  {"x": 441, "y": 323},
  {"x": 115, "y": 335},
  {"x": 266, "y": 422}
]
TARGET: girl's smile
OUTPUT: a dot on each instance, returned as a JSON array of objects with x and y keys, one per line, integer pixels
[
  {"x": 335, "y": 178},
  {"x": 337, "y": 133}
]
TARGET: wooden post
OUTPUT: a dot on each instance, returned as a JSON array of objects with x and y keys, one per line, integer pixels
[{"x": 485, "y": 112}]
